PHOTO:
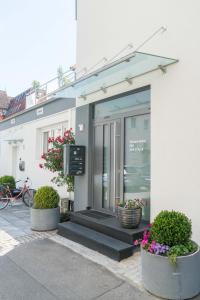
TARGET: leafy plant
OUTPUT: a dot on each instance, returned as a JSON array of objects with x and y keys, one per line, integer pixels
[
  {"x": 171, "y": 228},
  {"x": 132, "y": 203},
  {"x": 9, "y": 180},
  {"x": 181, "y": 250},
  {"x": 169, "y": 235},
  {"x": 54, "y": 159},
  {"x": 46, "y": 197}
]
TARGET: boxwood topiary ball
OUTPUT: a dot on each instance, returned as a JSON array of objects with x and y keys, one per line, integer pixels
[
  {"x": 9, "y": 180},
  {"x": 171, "y": 228},
  {"x": 46, "y": 197}
]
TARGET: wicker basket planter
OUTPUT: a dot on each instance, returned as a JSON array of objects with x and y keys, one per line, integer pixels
[{"x": 129, "y": 217}]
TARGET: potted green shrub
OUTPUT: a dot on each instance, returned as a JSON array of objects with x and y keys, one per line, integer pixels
[
  {"x": 45, "y": 213},
  {"x": 130, "y": 213},
  {"x": 170, "y": 259},
  {"x": 9, "y": 180}
]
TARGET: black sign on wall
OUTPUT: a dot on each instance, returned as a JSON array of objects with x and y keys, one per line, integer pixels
[{"x": 74, "y": 160}]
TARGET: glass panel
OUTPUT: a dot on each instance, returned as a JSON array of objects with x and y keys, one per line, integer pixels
[
  {"x": 130, "y": 66},
  {"x": 112, "y": 167},
  {"x": 137, "y": 160},
  {"x": 122, "y": 104},
  {"x": 45, "y": 141},
  {"x": 105, "y": 177}
]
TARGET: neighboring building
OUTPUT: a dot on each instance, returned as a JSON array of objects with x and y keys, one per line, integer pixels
[
  {"x": 126, "y": 156},
  {"x": 4, "y": 103},
  {"x": 17, "y": 104},
  {"x": 24, "y": 137}
]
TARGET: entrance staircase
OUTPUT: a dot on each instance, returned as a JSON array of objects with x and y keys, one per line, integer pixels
[{"x": 101, "y": 232}]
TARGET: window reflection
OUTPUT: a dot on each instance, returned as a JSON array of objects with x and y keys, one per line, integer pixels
[{"x": 122, "y": 104}]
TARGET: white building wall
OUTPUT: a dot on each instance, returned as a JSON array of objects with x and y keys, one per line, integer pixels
[
  {"x": 104, "y": 28},
  {"x": 30, "y": 149}
]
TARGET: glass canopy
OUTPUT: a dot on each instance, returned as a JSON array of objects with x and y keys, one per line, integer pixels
[{"x": 124, "y": 69}]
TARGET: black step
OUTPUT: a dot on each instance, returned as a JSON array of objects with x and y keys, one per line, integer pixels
[
  {"x": 97, "y": 241},
  {"x": 108, "y": 225}
]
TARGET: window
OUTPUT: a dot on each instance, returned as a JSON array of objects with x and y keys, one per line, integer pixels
[
  {"x": 52, "y": 131},
  {"x": 45, "y": 141},
  {"x": 122, "y": 104}
]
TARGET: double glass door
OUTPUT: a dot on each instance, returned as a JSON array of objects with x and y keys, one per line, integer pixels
[{"x": 121, "y": 168}]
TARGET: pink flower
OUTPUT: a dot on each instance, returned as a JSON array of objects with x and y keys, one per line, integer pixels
[
  {"x": 144, "y": 243},
  {"x": 43, "y": 156},
  {"x": 66, "y": 134},
  {"x": 136, "y": 243}
]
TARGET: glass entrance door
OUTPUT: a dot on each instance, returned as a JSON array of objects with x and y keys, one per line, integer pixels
[
  {"x": 107, "y": 149},
  {"x": 122, "y": 162}
]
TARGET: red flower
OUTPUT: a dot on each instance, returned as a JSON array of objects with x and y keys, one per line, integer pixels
[
  {"x": 43, "y": 156},
  {"x": 41, "y": 166}
]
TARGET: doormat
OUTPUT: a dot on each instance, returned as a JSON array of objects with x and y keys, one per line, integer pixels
[{"x": 95, "y": 214}]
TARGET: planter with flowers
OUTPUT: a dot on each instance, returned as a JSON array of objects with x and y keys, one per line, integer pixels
[
  {"x": 130, "y": 213},
  {"x": 53, "y": 160},
  {"x": 170, "y": 259}
]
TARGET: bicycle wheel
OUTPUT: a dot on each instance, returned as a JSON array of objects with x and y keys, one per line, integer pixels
[
  {"x": 28, "y": 198},
  {"x": 4, "y": 200}
]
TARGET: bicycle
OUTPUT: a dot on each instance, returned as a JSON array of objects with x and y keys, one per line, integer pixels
[{"x": 8, "y": 195}]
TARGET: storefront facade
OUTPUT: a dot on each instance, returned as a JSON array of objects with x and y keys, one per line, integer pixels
[{"x": 151, "y": 151}]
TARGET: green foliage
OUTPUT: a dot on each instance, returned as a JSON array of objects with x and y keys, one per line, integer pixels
[
  {"x": 132, "y": 203},
  {"x": 53, "y": 159},
  {"x": 46, "y": 197},
  {"x": 10, "y": 180},
  {"x": 181, "y": 250},
  {"x": 35, "y": 84},
  {"x": 171, "y": 228}
]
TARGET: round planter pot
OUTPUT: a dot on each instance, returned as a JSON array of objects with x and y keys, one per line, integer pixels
[
  {"x": 129, "y": 218},
  {"x": 163, "y": 279},
  {"x": 45, "y": 219}
]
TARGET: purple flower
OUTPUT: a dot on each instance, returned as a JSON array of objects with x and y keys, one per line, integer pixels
[{"x": 160, "y": 249}]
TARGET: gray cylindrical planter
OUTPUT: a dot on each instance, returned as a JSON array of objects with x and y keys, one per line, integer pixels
[
  {"x": 45, "y": 219},
  {"x": 129, "y": 217},
  {"x": 163, "y": 279}
]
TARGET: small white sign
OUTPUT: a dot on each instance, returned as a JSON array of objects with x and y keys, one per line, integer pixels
[
  {"x": 12, "y": 121},
  {"x": 137, "y": 145},
  {"x": 39, "y": 111},
  {"x": 81, "y": 127}
]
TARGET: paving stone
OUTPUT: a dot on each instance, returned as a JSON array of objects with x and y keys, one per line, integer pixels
[
  {"x": 15, "y": 228},
  {"x": 67, "y": 271},
  {"x": 128, "y": 269},
  {"x": 16, "y": 284}
]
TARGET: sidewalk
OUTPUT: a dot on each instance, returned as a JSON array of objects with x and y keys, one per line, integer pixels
[
  {"x": 45, "y": 266},
  {"x": 15, "y": 228},
  {"x": 43, "y": 269}
]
